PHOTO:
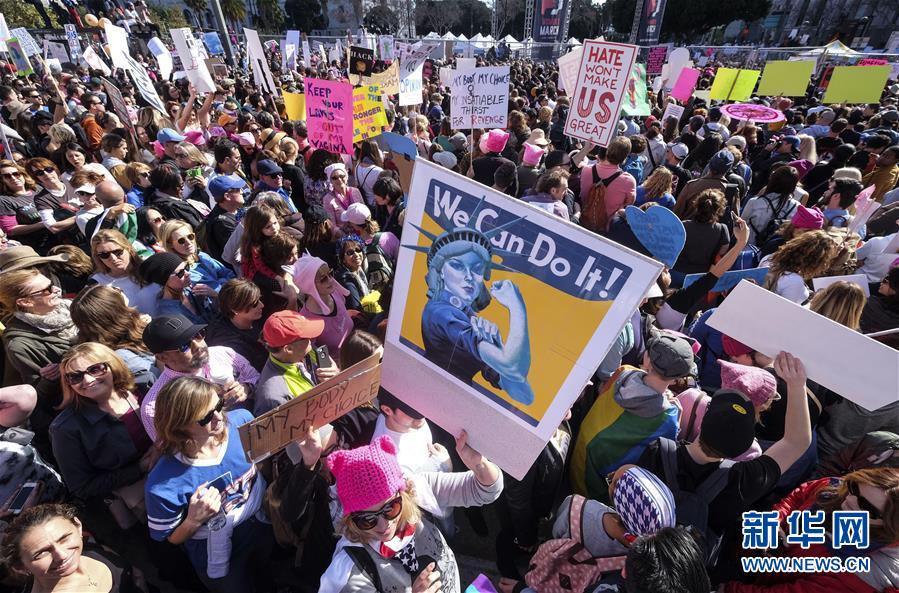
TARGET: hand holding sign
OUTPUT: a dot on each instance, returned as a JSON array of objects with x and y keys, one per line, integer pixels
[{"x": 659, "y": 230}]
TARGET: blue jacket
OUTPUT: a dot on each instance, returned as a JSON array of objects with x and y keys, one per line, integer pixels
[
  {"x": 210, "y": 272},
  {"x": 137, "y": 196}
]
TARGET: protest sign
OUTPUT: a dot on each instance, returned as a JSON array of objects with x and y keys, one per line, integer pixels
[
  {"x": 19, "y": 59},
  {"x": 856, "y": 84},
  {"x": 118, "y": 104},
  {"x": 655, "y": 59},
  {"x": 786, "y": 79},
  {"x": 362, "y": 60},
  {"x": 733, "y": 85},
  {"x": 865, "y": 207},
  {"x": 569, "y": 64},
  {"x": 388, "y": 80},
  {"x": 601, "y": 83},
  {"x": 262, "y": 75},
  {"x": 54, "y": 65},
  {"x": 329, "y": 115},
  {"x": 144, "y": 84},
  {"x": 860, "y": 279},
  {"x": 163, "y": 57},
  {"x": 324, "y": 403},
  {"x": 872, "y": 62},
  {"x": 678, "y": 59},
  {"x": 307, "y": 54},
  {"x": 659, "y": 230},
  {"x": 480, "y": 98},
  {"x": 469, "y": 63},
  {"x": 857, "y": 367},
  {"x": 686, "y": 82},
  {"x": 446, "y": 76},
  {"x": 731, "y": 278},
  {"x": 191, "y": 61},
  {"x": 96, "y": 62},
  {"x": 74, "y": 44},
  {"x": 517, "y": 258},
  {"x": 635, "y": 102},
  {"x": 26, "y": 41},
  {"x": 672, "y": 110},
  {"x": 217, "y": 67},
  {"x": 213, "y": 43},
  {"x": 57, "y": 51},
  {"x": 292, "y": 39},
  {"x": 5, "y": 34},
  {"x": 295, "y": 106},
  {"x": 398, "y": 144},
  {"x": 410, "y": 74},
  {"x": 117, "y": 44},
  {"x": 369, "y": 118},
  {"x": 385, "y": 47}
]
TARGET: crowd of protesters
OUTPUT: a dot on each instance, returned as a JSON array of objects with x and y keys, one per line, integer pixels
[{"x": 166, "y": 279}]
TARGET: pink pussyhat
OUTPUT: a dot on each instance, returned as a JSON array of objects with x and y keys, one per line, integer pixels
[
  {"x": 532, "y": 155},
  {"x": 757, "y": 384},
  {"x": 367, "y": 475},
  {"x": 493, "y": 141},
  {"x": 807, "y": 218}
]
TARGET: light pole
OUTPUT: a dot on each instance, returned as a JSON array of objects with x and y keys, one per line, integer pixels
[{"x": 223, "y": 32}]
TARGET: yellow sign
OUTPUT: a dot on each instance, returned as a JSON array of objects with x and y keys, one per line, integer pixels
[
  {"x": 389, "y": 80},
  {"x": 369, "y": 119},
  {"x": 731, "y": 84},
  {"x": 786, "y": 79},
  {"x": 856, "y": 84},
  {"x": 295, "y": 106}
]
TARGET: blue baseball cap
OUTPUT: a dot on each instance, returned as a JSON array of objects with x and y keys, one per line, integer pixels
[
  {"x": 169, "y": 135},
  {"x": 268, "y": 167},
  {"x": 224, "y": 183}
]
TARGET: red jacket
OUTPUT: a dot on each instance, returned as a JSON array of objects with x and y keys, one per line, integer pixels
[{"x": 801, "y": 499}]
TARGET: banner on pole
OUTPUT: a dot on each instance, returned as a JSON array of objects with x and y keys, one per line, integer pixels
[{"x": 650, "y": 21}]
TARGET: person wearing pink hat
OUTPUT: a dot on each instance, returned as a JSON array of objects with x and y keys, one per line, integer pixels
[
  {"x": 325, "y": 301},
  {"x": 341, "y": 196},
  {"x": 492, "y": 144},
  {"x": 531, "y": 167},
  {"x": 804, "y": 220},
  {"x": 388, "y": 542}
]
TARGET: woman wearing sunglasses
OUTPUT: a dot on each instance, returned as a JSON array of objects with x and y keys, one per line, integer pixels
[
  {"x": 341, "y": 195},
  {"x": 176, "y": 294},
  {"x": 18, "y": 214},
  {"x": 98, "y": 440},
  {"x": 874, "y": 490},
  {"x": 116, "y": 264},
  {"x": 55, "y": 201},
  {"x": 384, "y": 528},
  {"x": 206, "y": 274},
  {"x": 203, "y": 494}
]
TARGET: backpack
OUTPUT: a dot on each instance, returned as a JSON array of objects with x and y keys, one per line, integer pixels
[
  {"x": 693, "y": 507},
  {"x": 564, "y": 565},
  {"x": 777, "y": 220},
  {"x": 379, "y": 267},
  {"x": 593, "y": 209}
]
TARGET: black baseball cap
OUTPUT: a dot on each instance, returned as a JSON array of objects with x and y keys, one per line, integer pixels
[
  {"x": 728, "y": 426},
  {"x": 170, "y": 332}
]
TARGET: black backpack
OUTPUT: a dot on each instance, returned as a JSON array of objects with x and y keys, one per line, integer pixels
[
  {"x": 693, "y": 507},
  {"x": 778, "y": 218},
  {"x": 379, "y": 267}
]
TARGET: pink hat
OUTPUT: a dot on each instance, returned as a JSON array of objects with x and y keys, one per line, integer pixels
[
  {"x": 195, "y": 137},
  {"x": 807, "y": 218},
  {"x": 245, "y": 139},
  {"x": 493, "y": 141},
  {"x": 367, "y": 475},
  {"x": 803, "y": 166},
  {"x": 693, "y": 403},
  {"x": 304, "y": 271},
  {"x": 734, "y": 348},
  {"x": 757, "y": 384},
  {"x": 532, "y": 155}
]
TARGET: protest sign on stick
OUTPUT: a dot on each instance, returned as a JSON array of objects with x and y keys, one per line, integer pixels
[
  {"x": 785, "y": 78},
  {"x": 856, "y": 84},
  {"x": 362, "y": 60},
  {"x": 410, "y": 74},
  {"x": 19, "y": 59},
  {"x": 686, "y": 82},
  {"x": 672, "y": 110},
  {"x": 388, "y": 80},
  {"x": 369, "y": 118},
  {"x": 329, "y": 115},
  {"x": 635, "y": 101},
  {"x": 191, "y": 60},
  {"x": 28, "y": 43},
  {"x": 656, "y": 59},
  {"x": 480, "y": 98},
  {"x": 569, "y": 64}
]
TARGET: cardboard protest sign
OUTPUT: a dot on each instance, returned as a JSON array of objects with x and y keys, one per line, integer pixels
[
  {"x": 362, "y": 60},
  {"x": 74, "y": 44},
  {"x": 329, "y": 115},
  {"x": 635, "y": 101},
  {"x": 389, "y": 80},
  {"x": 786, "y": 79},
  {"x": 262, "y": 75},
  {"x": 601, "y": 83},
  {"x": 733, "y": 85},
  {"x": 856, "y": 84},
  {"x": 731, "y": 278},
  {"x": 686, "y": 82},
  {"x": 213, "y": 43},
  {"x": 369, "y": 118},
  {"x": 672, "y": 110},
  {"x": 480, "y": 98},
  {"x": 295, "y": 106},
  {"x": 410, "y": 74},
  {"x": 477, "y": 262},
  {"x": 144, "y": 84},
  {"x": 324, "y": 403},
  {"x": 385, "y": 47},
  {"x": 655, "y": 59},
  {"x": 117, "y": 43},
  {"x": 569, "y": 64},
  {"x": 27, "y": 42},
  {"x": 118, "y": 104},
  {"x": 659, "y": 230},
  {"x": 96, "y": 62},
  {"x": 855, "y": 366},
  {"x": 860, "y": 279},
  {"x": 192, "y": 62},
  {"x": 19, "y": 59}
]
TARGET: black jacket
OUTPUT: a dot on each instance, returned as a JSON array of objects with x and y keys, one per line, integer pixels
[{"x": 218, "y": 228}]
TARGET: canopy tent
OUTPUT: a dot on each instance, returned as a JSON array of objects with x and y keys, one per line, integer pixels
[
  {"x": 461, "y": 37},
  {"x": 834, "y": 48},
  {"x": 448, "y": 36},
  {"x": 574, "y": 41},
  {"x": 510, "y": 39}
]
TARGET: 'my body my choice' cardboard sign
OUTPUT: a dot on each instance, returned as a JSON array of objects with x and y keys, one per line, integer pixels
[{"x": 601, "y": 82}]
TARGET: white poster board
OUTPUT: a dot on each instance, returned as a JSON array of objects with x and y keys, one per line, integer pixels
[
  {"x": 144, "y": 85},
  {"x": 29, "y": 45},
  {"x": 57, "y": 51},
  {"x": 569, "y": 64},
  {"x": 191, "y": 60},
  {"x": 860, "y": 279},
  {"x": 163, "y": 57},
  {"x": 480, "y": 98},
  {"x": 5, "y": 34},
  {"x": 411, "y": 67},
  {"x": 386, "y": 48},
  {"x": 601, "y": 82},
  {"x": 292, "y": 40},
  {"x": 851, "y": 364},
  {"x": 117, "y": 40},
  {"x": 537, "y": 358},
  {"x": 262, "y": 75},
  {"x": 672, "y": 110},
  {"x": 96, "y": 62},
  {"x": 307, "y": 54}
]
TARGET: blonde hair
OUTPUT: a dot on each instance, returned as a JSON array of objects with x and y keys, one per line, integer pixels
[
  {"x": 178, "y": 405},
  {"x": 92, "y": 352},
  {"x": 114, "y": 236},
  {"x": 12, "y": 286},
  {"x": 169, "y": 228},
  {"x": 194, "y": 153},
  {"x": 657, "y": 184},
  {"x": 410, "y": 515},
  {"x": 78, "y": 264},
  {"x": 807, "y": 149},
  {"x": 808, "y": 255},
  {"x": 289, "y": 148},
  {"x": 842, "y": 302},
  {"x": 62, "y": 134}
]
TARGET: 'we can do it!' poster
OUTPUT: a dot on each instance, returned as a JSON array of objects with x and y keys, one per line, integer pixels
[{"x": 501, "y": 312}]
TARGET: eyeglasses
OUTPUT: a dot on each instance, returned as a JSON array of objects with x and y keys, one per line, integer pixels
[
  {"x": 198, "y": 337},
  {"x": 42, "y": 292},
  {"x": 254, "y": 304},
  {"x": 95, "y": 370},
  {"x": 13, "y": 175},
  {"x": 45, "y": 171},
  {"x": 104, "y": 255},
  {"x": 368, "y": 520},
  {"x": 216, "y": 410},
  {"x": 351, "y": 252},
  {"x": 339, "y": 176},
  {"x": 95, "y": 103},
  {"x": 186, "y": 239},
  {"x": 275, "y": 175},
  {"x": 863, "y": 503}
]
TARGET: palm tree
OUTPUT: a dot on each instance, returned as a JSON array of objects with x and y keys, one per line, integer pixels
[
  {"x": 198, "y": 9},
  {"x": 234, "y": 11}
]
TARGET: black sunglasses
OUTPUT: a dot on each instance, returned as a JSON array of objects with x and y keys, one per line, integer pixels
[
  {"x": 104, "y": 255},
  {"x": 42, "y": 292},
  {"x": 200, "y": 335},
  {"x": 44, "y": 171},
  {"x": 186, "y": 239},
  {"x": 366, "y": 520},
  {"x": 863, "y": 503},
  {"x": 352, "y": 251},
  {"x": 95, "y": 370},
  {"x": 208, "y": 417},
  {"x": 180, "y": 273}
]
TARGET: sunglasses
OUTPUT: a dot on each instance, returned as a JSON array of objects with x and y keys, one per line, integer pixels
[
  {"x": 104, "y": 255},
  {"x": 180, "y": 273},
  {"x": 95, "y": 371},
  {"x": 198, "y": 337},
  {"x": 42, "y": 292},
  {"x": 368, "y": 520},
  {"x": 186, "y": 239},
  {"x": 351, "y": 252},
  {"x": 333, "y": 177},
  {"x": 13, "y": 175},
  {"x": 144, "y": 175},
  {"x": 863, "y": 503},
  {"x": 208, "y": 417},
  {"x": 45, "y": 171}
]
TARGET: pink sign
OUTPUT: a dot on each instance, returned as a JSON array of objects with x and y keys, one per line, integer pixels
[
  {"x": 686, "y": 82},
  {"x": 329, "y": 115},
  {"x": 753, "y": 113}
]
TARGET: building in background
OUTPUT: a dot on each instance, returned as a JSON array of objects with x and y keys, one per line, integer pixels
[{"x": 857, "y": 23}]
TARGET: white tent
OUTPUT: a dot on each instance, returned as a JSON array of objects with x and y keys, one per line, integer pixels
[
  {"x": 834, "y": 48},
  {"x": 432, "y": 35},
  {"x": 574, "y": 41},
  {"x": 461, "y": 37},
  {"x": 448, "y": 36},
  {"x": 510, "y": 39}
]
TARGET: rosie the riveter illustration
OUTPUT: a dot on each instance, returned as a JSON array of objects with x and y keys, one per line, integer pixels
[{"x": 455, "y": 337}]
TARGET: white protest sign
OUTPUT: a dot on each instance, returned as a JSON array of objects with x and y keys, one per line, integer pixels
[
  {"x": 163, "y": 57},
  {"x": 193, "y": 64},
  {"x": 262, "y": 76},
  {"x": 29, "y": 45},
  {"x": 466, "y": 63},
  {"x": 569, "y": 64},
  {"x": 74, "y": 44},
  {"x": 856, "y": 367},
  {"x": 672, "y": 110},
  {"x": 292, "y": 39},
  {"x": 446, "y": 76},
  {"x": 58, "y": 52},
  {"x": 96, "y": 62},
  {"x": 411, "y": 67},
  {"x": 678, "y": 59},
  {"x": 117, "y": 39},
  {"x": 542, "y": 357},
  {"x": 144, "y": 85},
  {"x": 4, "y": 33},
  {"x": 865, "y": 207},
  {"x": 860, "y": 279},
  {"x": 601, "y": 82},
  {"x": 386, "y": 48},
  {"x": 335, "y": 55},
  {"x": 288, "y": 56},
  {"x": 307, "y": 54},
  {"x": 480, "y": 98}
]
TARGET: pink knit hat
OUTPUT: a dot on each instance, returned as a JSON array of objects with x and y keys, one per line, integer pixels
[
  {"x": 757, "y": 384},
  {"x": 493, "y": 141},
  {"x": 304, "y": 272},
  {"x": 367, "y": 475},
  {"x": 532, "y": 155},
  {"x": 807, "y": 218},
  {"x": 802, "y": 166}
]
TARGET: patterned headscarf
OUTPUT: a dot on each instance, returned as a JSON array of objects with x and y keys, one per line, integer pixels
[{"x": 643, "y": 502}]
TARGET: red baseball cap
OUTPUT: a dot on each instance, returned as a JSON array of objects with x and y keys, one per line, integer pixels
[{"x": 286, "y": 327}]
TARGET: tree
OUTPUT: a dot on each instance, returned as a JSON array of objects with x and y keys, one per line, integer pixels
[
  {"x": 167, "y": 18},
  {"x": 506, "y": 13},
  {"x": 234, "y": 11},
  {"x": 306, "y": 15},
  {"x": 438, "y": 16},
  {"x": 584, "y": 20},
  {"x": 381, "y": 21},
  {"x": 474, "y": 18},
  {"x": 22, "y": 14},
  {"x": 198, "y": 7},
  {"x": 270, "y": 16},
  {"x": 686, "y": 19}
]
